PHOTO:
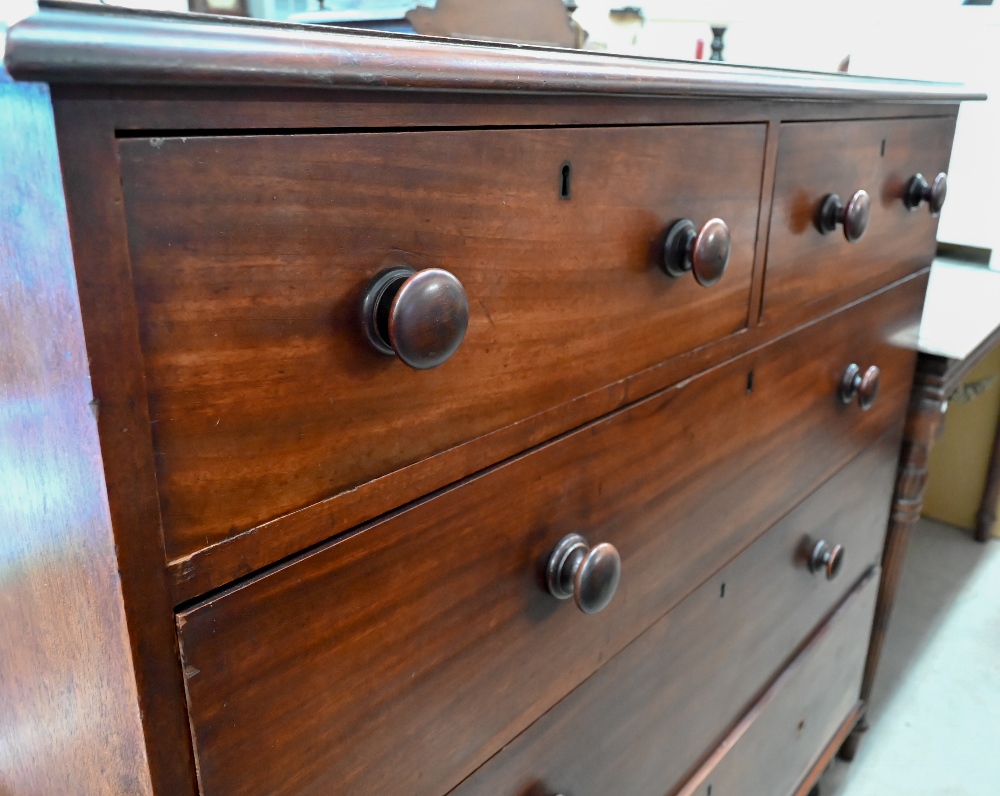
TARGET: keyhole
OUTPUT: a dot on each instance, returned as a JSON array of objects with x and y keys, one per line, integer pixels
[
  {"x": 883, "y": 147},
  {"x": 709, "y": 793},
  {"x": 750, "y": 382},
  {"x": 722, "y": 591},
  {"x": 564, "y": 182}
]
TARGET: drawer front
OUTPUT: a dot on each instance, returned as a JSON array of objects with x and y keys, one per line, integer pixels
[
  {"x": 776, "y": 744},
  {"x": 809, "y": 272},
  {"x": 400, "y": 657},
  {"x": 645, "y": 719},
  {"x": 250, "y": 256}
]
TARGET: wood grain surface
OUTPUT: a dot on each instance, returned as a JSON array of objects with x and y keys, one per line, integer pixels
[
  {"x": 400, "y": 657},
  {"x": 145, "y": 111},
  {"x": 645, "y": 719},
  {"x": 805, "y": 267},
  {"x": 107, "y": 301},
  {"x": 70, "y": 713},
  {"x": 774, "y": 747},
  {"x": 250, "y": 256}
]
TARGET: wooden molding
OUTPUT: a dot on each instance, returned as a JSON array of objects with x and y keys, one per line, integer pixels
[{"x": 56, "y": 45}]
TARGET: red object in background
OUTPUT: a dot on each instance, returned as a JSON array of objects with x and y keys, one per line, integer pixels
[{"x": 699, "y": 49}]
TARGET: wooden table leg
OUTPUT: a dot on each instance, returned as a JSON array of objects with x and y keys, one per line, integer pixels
[
  {"x": 924, "y": 422},
  {"x": 987, "y": 514}
]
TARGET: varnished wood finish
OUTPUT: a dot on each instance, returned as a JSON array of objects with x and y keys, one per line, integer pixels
[
  {"x": 460, "y": 641},
  {"x": 250, "y": 256},
  {"x": 56, "y": 45},
  {"x": 819, "y": 767},
  {"x": 806, "y": 266},
  {"x": 70, "y": 712},
  {"x": 150, "y": 109},
  {"x": 385, "y": 626},
  {"x": 772, "y": 750},
  {"x": 147, "y": 109},
  {"x": 100, "y": 250},
  {"x": 642, "y": 723}
]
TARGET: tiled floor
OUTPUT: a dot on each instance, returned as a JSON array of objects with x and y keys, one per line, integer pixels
[{"x": 935, "y": 710}]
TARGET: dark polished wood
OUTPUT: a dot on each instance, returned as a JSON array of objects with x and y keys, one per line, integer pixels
[
  {"x": 144, "y": 110},
  {"x": 355, "y": 551},
  {"x": 918, "y": 191},
  {"x": 420, "y": 316},
  {"x": 774, "y": 747},
  {"x": 590, "y": 575},
  {"x": 56, "y": 45},
  {"x": 68, "y": 699},
  {"x": 853, "y": 216},
  {"x": 250, "y": 256},
  {"x": 810, "y": 784},
  {"x": 804, "y": 264},
  {"x": 107, "y": 299},
  {"x": 469, "y": 645},
  {"x": 642, "y": 723},
  {"x": 704, "y": 252}
]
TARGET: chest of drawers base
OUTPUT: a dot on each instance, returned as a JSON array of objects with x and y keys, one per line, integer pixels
[{"x": 370, "y": 336}]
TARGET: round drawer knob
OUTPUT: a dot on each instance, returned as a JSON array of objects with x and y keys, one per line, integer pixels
[
  {"x": 918, "y": 192},
  {"x": 420, "y": 316},
  {"x": 589, "y": 575},
  {"x": 868, "y": 389},
  {"x": 705, "y": 252},
  {"x": 863, "y": 386},
  {"x": 854, "y": 215},
  {"x": 826, "y": 558}
]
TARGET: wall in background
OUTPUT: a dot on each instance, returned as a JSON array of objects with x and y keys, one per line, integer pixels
[{"x": 941, "y": 40}]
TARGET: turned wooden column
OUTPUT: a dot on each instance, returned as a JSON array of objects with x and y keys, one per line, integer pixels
[
  {"x": 924, "y": 422},
  {"x": 936, "y": 379}
]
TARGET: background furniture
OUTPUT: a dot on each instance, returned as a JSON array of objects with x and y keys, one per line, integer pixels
[
  {"x": 959, "y": 327},
  {"x": 452, "y": 437},
  {"x": 958, "y": 490}
]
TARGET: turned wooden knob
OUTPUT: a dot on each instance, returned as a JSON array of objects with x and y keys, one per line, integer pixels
[
  {"x": 854, "y": 216},
  {"x": 918, "y": 192},
  {"x": 420, "y": 316},
  {"x": 704, "y": 252},
  {"x": 826, "y": 558},
  {"x": 863, "y": 386},
  {"x": 589, "y": 575}
]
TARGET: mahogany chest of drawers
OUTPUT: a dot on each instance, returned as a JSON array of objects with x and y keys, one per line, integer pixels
[{"x": 413, "y": 417}]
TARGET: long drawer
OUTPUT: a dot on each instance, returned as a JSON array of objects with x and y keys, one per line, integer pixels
[
  {"x": 807, "y": 270},
  {"x": 250, "y": 255},
  {"x": 643, "y": 722},
  {"x": 782, "y": 737},
  {"x": 400, "y": 657}
]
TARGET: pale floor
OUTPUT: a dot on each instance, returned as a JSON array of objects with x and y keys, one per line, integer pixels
[{"x": 935, "y": 710}]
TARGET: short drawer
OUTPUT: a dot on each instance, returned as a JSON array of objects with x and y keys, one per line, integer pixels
[
  {"x": 400, "y": 657},
  {"x": 250, "y": 257},
  {"x": 808, "y": 271},
  {"x": 780, "y": 739},
  {"x": 642, "y": 723}
]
